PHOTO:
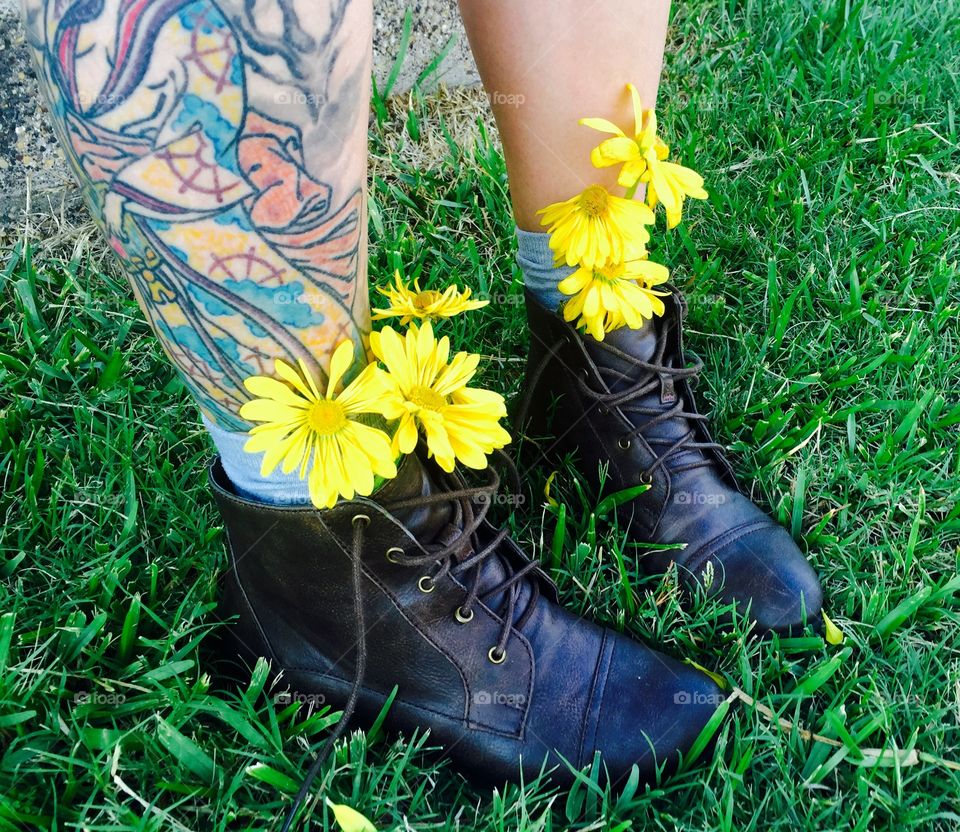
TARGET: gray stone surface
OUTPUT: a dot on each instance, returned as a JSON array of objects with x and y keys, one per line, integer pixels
[
  {"x": 29, "y": 155},
  {"x": 30, "y": 160},
  {"x": 434, "y": 22}
]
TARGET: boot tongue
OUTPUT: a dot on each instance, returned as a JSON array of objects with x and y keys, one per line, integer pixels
[
  {"x": 437, "y": 523},
  {"x": 441, "y": 524},
  {"x": 622, "y": 374},
  {"x": 640, "y": 344},
  {"x": 413, "y": 480}
]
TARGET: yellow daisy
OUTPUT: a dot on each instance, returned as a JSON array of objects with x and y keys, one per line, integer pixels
[
  {"x": 595, "y": 228},
  {"x": 671, "y": 184},
  {"x": 644, "y": 160},
  {"x": 317, "y": 432},
  {"x": 633, "y": 152},
  {"x": 459, "y": 423},
  {"x": 609, "y": 297},
  {"x": 412, "y": 302}
]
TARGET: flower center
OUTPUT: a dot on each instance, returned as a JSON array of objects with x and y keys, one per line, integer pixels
[
  {"x": 610, "y": 273},
  {"x": 593, "y": 201},
  {"x": 425, "y": 298},
  {"x": 325, "y": 418},
  {"x": 426, "y": 397}
]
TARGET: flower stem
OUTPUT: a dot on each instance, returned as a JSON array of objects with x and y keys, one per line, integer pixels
[{"x": 632, "y": 190}]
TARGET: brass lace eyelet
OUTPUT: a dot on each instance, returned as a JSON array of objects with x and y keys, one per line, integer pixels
[
  {"x": 462, "y": 617},
  {"x": 391, "y": 554},
  {"x": 361, "y": 518},
  {"x": 426, "y": 584},
  {"x": 496, "y": 655},
  {"x": 646, "y": 479},
  {"x": 624, "y": 443}
]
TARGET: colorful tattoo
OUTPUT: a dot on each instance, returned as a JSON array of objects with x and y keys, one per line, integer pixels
[{"x": 221, "y": 146}]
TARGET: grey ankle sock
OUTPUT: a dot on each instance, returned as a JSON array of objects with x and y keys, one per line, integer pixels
[{"x": 540, "y": 276}]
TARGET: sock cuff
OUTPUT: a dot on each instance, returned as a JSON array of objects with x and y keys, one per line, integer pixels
[
  {"x": 533, "y": 248},
  {"x": 540, "y": 275},
  {"x": 243, "y": 471}
]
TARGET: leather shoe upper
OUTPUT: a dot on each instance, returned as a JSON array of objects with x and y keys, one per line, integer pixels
[
  {"x": 627, "y": 403},
  {"x": 465, "y": 626}
]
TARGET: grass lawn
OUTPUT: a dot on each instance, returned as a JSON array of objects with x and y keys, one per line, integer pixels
[{"x": 823, "y": 287}]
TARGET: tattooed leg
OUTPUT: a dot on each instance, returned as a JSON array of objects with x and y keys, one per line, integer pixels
[{"x": 221, "y": 147}]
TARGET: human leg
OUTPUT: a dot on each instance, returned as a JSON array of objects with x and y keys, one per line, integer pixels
[{"x": 623, "y": 403}]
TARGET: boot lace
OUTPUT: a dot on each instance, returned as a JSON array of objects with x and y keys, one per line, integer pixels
[
  {"x": 462, "y": 556},
  {"x": 652, "y": 375},
  {"x": 466, "y": 554}
]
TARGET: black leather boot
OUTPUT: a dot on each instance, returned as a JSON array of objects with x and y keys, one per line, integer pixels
[
  {"x": 627, "y": 402},
  {"x": 453, "y": 613}
]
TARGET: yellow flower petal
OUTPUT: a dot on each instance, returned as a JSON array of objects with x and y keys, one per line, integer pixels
[
  {"x": 350, "y": 820},
  {"x": 292, "y": 377},
  {"x": 413, "y": 303},
  {"x": 659, "y": 181},
  {"x": 458, "y": 423},
  {"x": 631, "y": 172},
  {"x": 615, "y": 295},
  {"x": 597, "y": 228},
  {"x": 687, "y": 181},
  {"x": 270, "y": 410},
  {"x": 341, "y": 361},
  {"x": 602, "y": 125},
  {"x": 651, "y": 273},
  {"x": 643, "y": 158},
  {"x": 637, "y": 109},
  {"x": 619, "y": 150},
  {"x": 269, "y": 388},
  {"x": 406, "y": 437},
  {"x": 297, "y": 451},
  {"x": 300, "y": 429},
  {"x": 488, "y": 402},
  {"x": 311, "y": 382},
  {"x": 456, "y": 374},
  {"x": 832, "y": 633},
  {"x": 375, "y": 445},
  {"x": 575, "y": 282}
]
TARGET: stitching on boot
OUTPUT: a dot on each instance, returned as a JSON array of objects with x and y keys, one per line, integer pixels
[
  {"x": 603, "y": 664},
  {"x": 395, "y": 600},
  {"x": 246, "y": 600},
  {"x": 699, "y": 558},
  {"x": 529, "y": 651},
  {"x": 366, "y": 688}
]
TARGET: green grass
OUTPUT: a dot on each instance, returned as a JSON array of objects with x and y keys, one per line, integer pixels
[{"x": 822, "y": 278}]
